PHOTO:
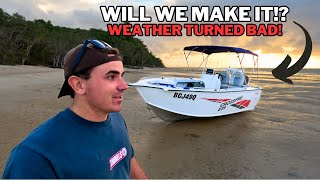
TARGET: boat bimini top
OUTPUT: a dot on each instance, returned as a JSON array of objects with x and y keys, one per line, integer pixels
[{"x": 217, "y": 49}]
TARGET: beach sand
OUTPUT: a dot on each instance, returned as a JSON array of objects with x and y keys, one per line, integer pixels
[{"x": 280, "y": 139}]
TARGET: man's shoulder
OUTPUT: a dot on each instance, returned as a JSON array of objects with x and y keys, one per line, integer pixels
[
  {"x": 18, "y": 165},
  {"x": 44, "y": 133}
]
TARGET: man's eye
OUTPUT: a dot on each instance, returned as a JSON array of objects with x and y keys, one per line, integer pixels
[{"x": 111, "y": 77}]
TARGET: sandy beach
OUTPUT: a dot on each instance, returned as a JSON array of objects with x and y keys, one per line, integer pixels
[{"x": 280, "y": 139}]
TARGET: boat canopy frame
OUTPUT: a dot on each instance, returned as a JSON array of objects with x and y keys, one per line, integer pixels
[
  {"x": 208, "y": 50},
  {"x": 217, "y": 49}
]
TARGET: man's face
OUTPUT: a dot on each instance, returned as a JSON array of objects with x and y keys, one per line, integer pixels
[{"x": 104, "y": 88}]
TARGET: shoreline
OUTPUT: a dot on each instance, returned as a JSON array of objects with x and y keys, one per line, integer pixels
[{"x": 277, "y": 140}]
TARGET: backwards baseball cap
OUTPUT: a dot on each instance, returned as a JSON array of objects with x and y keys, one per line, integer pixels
[{"x": 85, "y": 56}]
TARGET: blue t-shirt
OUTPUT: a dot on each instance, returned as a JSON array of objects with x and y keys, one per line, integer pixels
[{"x": 68, "y": 146}]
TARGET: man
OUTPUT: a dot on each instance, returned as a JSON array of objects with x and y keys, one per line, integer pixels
[{"x": 89, "y": 139}]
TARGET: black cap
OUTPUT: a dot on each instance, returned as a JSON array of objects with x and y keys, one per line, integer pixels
[{"x": 92, "y": 57}]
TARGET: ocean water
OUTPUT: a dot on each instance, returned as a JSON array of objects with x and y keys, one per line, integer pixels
[{"x": 257, "y": 77}]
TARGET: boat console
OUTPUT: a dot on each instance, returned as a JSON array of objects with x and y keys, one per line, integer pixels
[{"x": 211, "y": 79}]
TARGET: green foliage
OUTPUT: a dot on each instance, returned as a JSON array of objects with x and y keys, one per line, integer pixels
[{"x": 40, "y": 43}]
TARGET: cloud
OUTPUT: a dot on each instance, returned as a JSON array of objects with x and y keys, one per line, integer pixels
[{"x": 86, "y": 14}]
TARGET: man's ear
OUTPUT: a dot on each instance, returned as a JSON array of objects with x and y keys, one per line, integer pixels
[{"x": 77, "y": 84}]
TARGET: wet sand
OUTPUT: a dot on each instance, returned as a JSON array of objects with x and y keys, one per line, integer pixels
[{"x": 280, "y": 139}]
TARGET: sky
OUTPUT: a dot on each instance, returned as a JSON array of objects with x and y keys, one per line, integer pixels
[{"x": 272, "y": 50}]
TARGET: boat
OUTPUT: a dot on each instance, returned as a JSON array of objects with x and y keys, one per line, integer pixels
[{"x": 213, "y": 94}]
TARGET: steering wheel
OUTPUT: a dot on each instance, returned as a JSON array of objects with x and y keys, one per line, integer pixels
[{"x": 220, "y": 76}]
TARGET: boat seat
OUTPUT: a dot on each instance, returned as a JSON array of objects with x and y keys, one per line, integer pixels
[
  {"x": 237, "y": 78},
  {"x": 225, "y": 77}
]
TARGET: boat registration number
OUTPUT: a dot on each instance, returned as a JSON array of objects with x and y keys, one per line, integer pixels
[{"x": 184, "y": 96}]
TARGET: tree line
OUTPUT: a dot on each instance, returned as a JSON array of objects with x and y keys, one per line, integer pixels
[{"x": 39, "y": 42}]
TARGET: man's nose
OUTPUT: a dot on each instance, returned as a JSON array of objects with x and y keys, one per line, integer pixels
[{"x": 123, "y": 85}]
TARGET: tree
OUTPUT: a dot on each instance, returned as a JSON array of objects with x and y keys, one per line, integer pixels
[{"x": 39, "y": 42}]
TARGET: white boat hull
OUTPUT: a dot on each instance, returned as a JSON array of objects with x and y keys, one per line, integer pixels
[{"x": 170, "y": 104}]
